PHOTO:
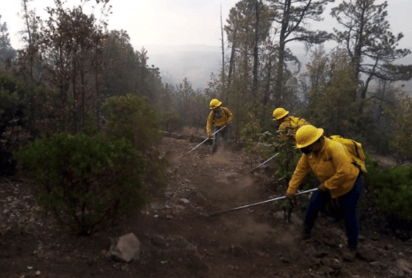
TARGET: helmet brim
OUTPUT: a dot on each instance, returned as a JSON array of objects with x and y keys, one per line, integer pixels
[
  {"x": 217, "y": 106},
  {"x": 319, "y": 134}
]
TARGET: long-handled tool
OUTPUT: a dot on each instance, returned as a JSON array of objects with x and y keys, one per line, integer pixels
[
  {"x": 203, "y": 141},
  {"x": 264, "y": 162},
  {"x": 259, "y": 203}
]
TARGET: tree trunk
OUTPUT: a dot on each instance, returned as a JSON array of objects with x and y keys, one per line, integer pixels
[
  {"x": 255, "y": 51},
  {"x": 279, "y": 79},
  {"x": 232, "y": 57},
  {"x": 223, "y": 48}
]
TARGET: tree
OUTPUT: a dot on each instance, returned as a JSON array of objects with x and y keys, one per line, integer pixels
[
  {"x": 330, "y": 81},
  {"x": 247, "y": 29},
  {"x": 401, "y": 139},
  {"x": 291, "y": 22},
  {"x": 370, "y": 44},
  {"x": 6, "y": 51},
  {"x": 70, "y": 43}
]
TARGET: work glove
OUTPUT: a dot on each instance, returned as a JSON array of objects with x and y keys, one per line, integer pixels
[
  {"x": 290, "y": 196},
  {"x": 322, "y": 188}
]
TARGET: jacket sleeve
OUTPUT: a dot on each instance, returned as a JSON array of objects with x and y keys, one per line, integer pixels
[
  {"x": 343, "y": 164},
  {"x": 209, "y": 124},
  {"x": 302, "y": 169},
  {"x": 228, "y": 114}
]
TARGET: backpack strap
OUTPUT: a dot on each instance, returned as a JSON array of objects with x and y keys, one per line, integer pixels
[{"x": 356, "y": 148}]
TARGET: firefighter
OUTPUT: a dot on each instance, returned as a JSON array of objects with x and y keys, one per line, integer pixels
[
  {"x": 218, "y": 117},
  {"x": 339, "y": 180},
  {"x": 288, "y": 125}
]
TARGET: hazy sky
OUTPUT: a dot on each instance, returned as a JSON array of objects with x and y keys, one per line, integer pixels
[{"x": 183, "y": 22}]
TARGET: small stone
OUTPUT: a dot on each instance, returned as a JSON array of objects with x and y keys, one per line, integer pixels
[
  {"x": 184, "y": 200},
  {"x": 29, "y": 267},
  {"x": 38, "y": 272}
]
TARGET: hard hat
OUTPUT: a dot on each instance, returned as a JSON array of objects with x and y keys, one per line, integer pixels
[
  {"x": 215, "y": 103},
  {"x": 307, "y": 135},
  {"x": 279, "y": 113}
]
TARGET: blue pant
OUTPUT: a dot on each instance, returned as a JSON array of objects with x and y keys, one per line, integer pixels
[
  {"x": 348, "y": 203},
  {"x": 225, "y": 133}
]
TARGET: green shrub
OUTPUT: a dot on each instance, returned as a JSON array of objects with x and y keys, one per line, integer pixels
[
  {"x": 267, "y": 144},
  {"x": 133, "y": 118},
  {"x": 392, "y": 191},
  {"x": 14, "y": 119},
  {"x": 88, "y": 183}
]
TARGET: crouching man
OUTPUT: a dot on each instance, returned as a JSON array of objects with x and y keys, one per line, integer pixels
[{"x": 339, "y": 180}]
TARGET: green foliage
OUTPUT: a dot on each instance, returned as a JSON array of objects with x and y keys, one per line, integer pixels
[
  {"x": 332, "y": 85},
  {"x": 267, "y": 145},
  {"x": 392, "y": 190},
  {"x": 131, "y": 117},
  {"x": 86, "y": 182},
  {"x": 401, "y": 139},
  {"x": 14, "y": 118},
  {"x": 170, "y": 121}
]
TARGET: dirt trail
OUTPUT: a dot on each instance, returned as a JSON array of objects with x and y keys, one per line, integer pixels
[{"x": 180, "y": 239}]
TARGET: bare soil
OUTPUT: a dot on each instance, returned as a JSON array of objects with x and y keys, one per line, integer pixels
[{"x": 179, "y": 238}]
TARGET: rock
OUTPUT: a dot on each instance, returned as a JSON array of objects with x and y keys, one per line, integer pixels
[
  {"x": 345, "y": 273},
  {"x": 125, "y": 248},
  {"x": 366, "y": 253},
  {"x": 321, "y": 253},
  {"x": 295, "y": 220},
  {"x": 231, "y": 175},
  {"x": 179, "y": 207},
  {"x": 159, "y": 241},
  {"x": 331, "y": 262},
  {"x": 326, "y": 270},
  {"x": 184, "y": 200},
  {"x": 404, "y": 266}
]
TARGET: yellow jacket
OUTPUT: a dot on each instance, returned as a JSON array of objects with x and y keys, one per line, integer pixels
[
  {"x": 227, "y": 117},
  {"x": 333, "y": 167},
  {"x": 289, "y": 127}
]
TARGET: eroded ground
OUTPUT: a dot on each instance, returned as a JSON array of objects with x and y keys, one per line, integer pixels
[{"x": 180, "y": 239}]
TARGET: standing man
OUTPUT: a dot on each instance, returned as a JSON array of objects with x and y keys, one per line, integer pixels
[
  {"x": 339, "y": 179},
  {"x": 218, "y": 117},
  {"x": 288, "y": 125}
]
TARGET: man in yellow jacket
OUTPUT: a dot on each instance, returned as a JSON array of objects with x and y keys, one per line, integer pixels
[
  {"x": 339, "y": 180},
  {"x": 218, "y": 117},
  {"x": 288, "y": 125}
]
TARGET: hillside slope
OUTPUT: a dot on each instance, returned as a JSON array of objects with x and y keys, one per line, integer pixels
[{"x": 179, "y": 238}]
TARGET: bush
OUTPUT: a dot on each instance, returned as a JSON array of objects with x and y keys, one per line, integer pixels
[
  {"x": 392, "y": 191},
  {"x": 13, "y": 120},
  {"x": 132, "y": 118},
  {"x": 267, "y": 145},
  {"x": 87, "y": 183}
]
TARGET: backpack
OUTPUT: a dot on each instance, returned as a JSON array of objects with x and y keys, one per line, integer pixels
[
  {"x": 355, "y": 151},
  {"x": 297, "y": 122}
]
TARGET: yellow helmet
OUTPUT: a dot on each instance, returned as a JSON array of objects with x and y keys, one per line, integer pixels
[
  {"x": 279, "y": 113},
  {"x": 215, "y": 103},
  {"x": 307, "y": 135}
]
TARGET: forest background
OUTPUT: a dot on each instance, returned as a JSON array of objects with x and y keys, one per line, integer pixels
[{"x": 76, "y": 76}]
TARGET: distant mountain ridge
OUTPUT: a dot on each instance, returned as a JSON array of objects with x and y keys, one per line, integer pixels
[{"x": 197, "y": 62}]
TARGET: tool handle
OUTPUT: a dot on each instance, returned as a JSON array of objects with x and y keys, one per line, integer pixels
[
  {"x": 203, "y": 141},
  {"x": 263, "y": 202}
]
